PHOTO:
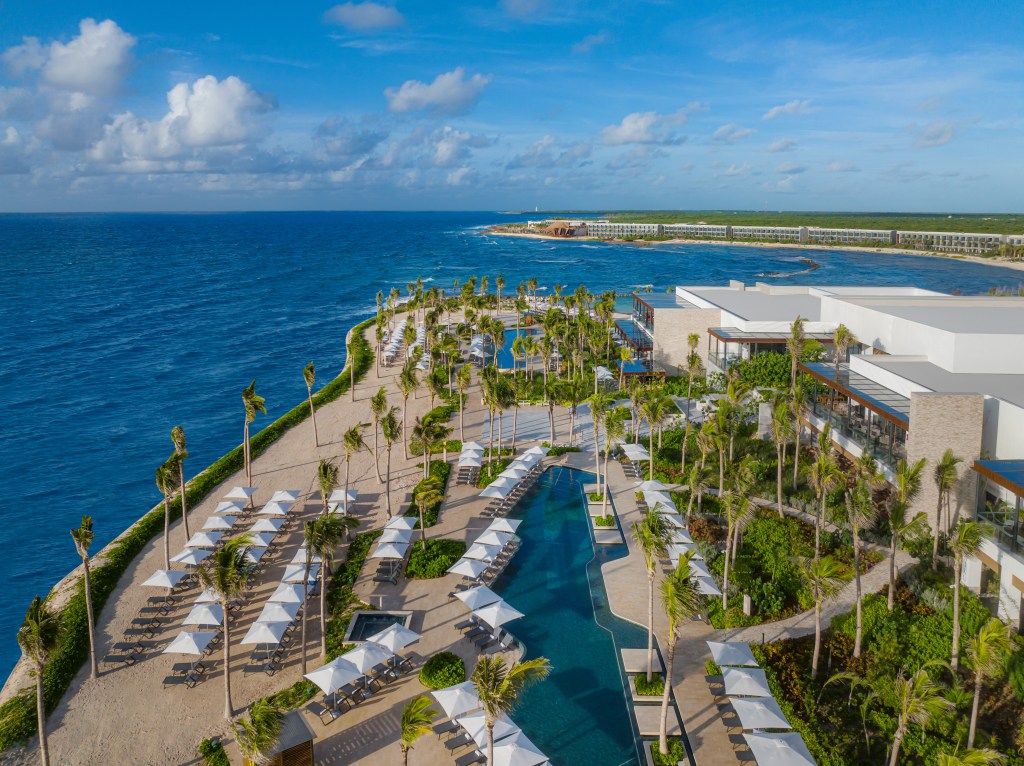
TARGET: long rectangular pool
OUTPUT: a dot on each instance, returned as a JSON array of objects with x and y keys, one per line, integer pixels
[{"x": 580, "y": 715}]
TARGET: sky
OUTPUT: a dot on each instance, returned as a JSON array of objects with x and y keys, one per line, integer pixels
[{"x": 513, "y": 104}]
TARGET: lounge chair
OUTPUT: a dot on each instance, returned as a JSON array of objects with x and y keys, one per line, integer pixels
[
  {"x": 487, "y": 642},
  {"x": 460, "y": 741},
  {"x": 470, "y": 623},
  {"x": 446, "y": 728},
  {"x": 476, "y": 632},
  {"x": 325, "y": 714},
  {"x": 471, "y": 758}
]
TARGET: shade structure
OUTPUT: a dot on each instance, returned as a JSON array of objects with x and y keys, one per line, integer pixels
[
  {"x": 267, "y": 525},
  {"x": 266, "y": 632},
  {"x": 472, "y": 568},
  {"x": 255, "y": 554},
  {"x": 470, "y": 461},
  {"x": 401, "y": 522},
  {"x": 240, "y": 493},
  {"x": 262, "y": 539},
  {"x": 395, "y": 637},
  {"x": 651, "y": 485},
  {"x": 190, "y": 642},
  {"x": 288, "y": 593},
  {"x": 230, "y": 506},
  {"x": 527, "y": 459},
  {"x": 517, "y": 750},
  {"x": 367, "y": 656},
  {"x": 636, "y": 453},
  {"x": 207, "y": 539},
  {"x": 732, "y": 653},
  {"x": 165, "y": 578},
  {"x": 300, "y": 557},
  {"x": 542, "y": 451},
  {"x": 208, "y": 596},
  {"x": 677, "y": 550},
  {"x": 500, "y": 488},
  {"x": 333, "y": 676},
  {"x": 222, "y": 523},
  {"x": 783, "y": 749},
  {"x": 498, "y": 613},
  {"x": 760, "y": 713},
  {"x": 475, "y": 725},
  {"x": 482, "y": 552},
  {"x": 472, "y": 445},
  {"x": 390, "y": 551},
  {"x": 458, "y": 699},
  {"x": 504, "y": 525},
  {"x": 191, "y": 557},
  {"x": 295, "y": 573},
  {"x": 675, "y": 521},
  {"x": 343, "y": 497},
  {"x": 275, "y": 509},
  {"x": 285, "y": 496},
  {"x": 478, "y": 597},
  {"x": 699, "y": 569},
  {"x": 402, "y": 536},
  {"x": 205, "y": 614},
  {"x": 494, "y": 538},
  {"x": 681, "y": 536},
  {"x": 521, "y": 464},
  {"x": 654, "y": 498},
  {"x": 276, "y": 611},
  {"x": 706, "y": 586},
  {"x": 516, "y": 474},
  {"x": 745, "y": 682}
]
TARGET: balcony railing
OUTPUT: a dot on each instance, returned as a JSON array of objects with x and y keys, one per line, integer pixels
[{"x": 876, "y": 437}]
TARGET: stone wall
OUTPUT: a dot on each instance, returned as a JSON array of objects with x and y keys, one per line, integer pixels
[{"x": 671, "y": 329}]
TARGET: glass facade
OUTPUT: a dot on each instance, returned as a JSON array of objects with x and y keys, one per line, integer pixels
[
  {"x": 1002, "y": 508},
  {"x": 884, "y": 440}
]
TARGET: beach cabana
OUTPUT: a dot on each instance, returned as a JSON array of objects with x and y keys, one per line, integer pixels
[
  {"x": 781, "y": 749},
  {"x": 458, "y": 699},
  {"x": 475, "y": 725},
  {"x": 240, "y": 493},
  {"x": 394, "y": 637},
  {"x": 288, "y": 593},
  {"x": 504, "y": 525},
  {"x": 760, "y": 713},
  {"x": 401, "y": 522},
  {"x": 390, "y": 551},
  {"x": 482, "y": 552},
  {"x": 222, "y": 523},
  {"x": 745, "y": 682},
  {"x": 498, "y": 613},
  {"x": 471, "y": 568},
  {"x": 732, "y": 653},
  {"x": 478, "y": 597},
  {"x": 205, "y": 614},
  {"x": 517, "y": 750}
]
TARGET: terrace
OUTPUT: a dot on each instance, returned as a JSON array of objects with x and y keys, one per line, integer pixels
[
  {"x": 1001, "y": 500},
  {"x": 728, "y": 345}
]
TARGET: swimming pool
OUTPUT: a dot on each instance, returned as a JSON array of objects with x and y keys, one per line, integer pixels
[
  {"x": 368, "y": 623},
  {"x": 580, "y": 714},
  {"x": 506, "y": 361}
]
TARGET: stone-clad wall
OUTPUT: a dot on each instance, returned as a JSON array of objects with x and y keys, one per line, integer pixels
[
  {"x": 671, "y": 328},
  {"x": 939, "y": 422}
]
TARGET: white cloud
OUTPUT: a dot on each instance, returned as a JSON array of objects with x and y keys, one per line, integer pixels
[
  {"x": 736, "y": 170},
  {"x": 451, "y": 147},
  {"x": 365, "y": 17},
  {"x": 782, "y": 145},
  {"x": 645, "y": 128},
  {"x": 460, "y": 176},
  {"x": 793, "y": 108},
  {"x": 790, "y": 168},
  {"x": 543, "y": 153},
  {"x": 523, "y": 9},
  {"x": 339, "y": 138},
  {"x": 13, "y": 151},
  {"x": 449, "y": 93},
  {"x": 95, "y": 63},
  {"x": 936, "y": 134},
  {"x": 841, "y": 167},
  {"x": 27, "y": 57},
  {"x": 588, "y": 43},
  {"x": 730, "y": 133}
]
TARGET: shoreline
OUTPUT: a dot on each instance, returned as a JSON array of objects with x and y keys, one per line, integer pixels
[{"x": 1015, "y": 265}]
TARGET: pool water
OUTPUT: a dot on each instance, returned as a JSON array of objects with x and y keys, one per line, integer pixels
[
  {"x": 366, "y": 624},
  {"x": 580, "y": 714},
  {"x": 506, "y": 361}
]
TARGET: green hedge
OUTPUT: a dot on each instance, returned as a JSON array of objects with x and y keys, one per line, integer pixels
[
  {"x": 676, "y": 753},
  {"x": 18, "y": 715},
  {"x": 340, "y": 596},
  {"x": 212, "y": 751},
  {"x": 439, "y": 471},
  {"x": 491, "y": 469},
  {"x": 433, "y": 560},
  {"x": 605, "y": 521},
  {"x": 442, "y": 670},
  {"x": 653, "y": 689}
]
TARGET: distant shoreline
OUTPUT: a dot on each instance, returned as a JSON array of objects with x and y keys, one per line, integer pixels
[{"x": 1015, "y": 265}]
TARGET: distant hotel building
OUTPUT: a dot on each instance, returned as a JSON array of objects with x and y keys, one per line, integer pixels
[
  {"x": 698, "y": 231},
  {"x": 954, "y": 242},
  {"x": 619, "y": 230}
]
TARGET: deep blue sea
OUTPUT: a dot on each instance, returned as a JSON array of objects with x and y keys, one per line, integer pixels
[{"x": 115, "y": 328}]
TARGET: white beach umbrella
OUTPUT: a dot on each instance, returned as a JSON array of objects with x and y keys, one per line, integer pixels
[
  {"x": 494, "y": 538},
  {"x": 390, "y": 551},
  {"x": 677, "y": 550},
  {"x": 782, "y": 749},
  {"x": 288, "y": 593},
  {"x": 458, "y": 699},
  {"x": 166, "y": 578},
  {"x": 222, "y": 523},
  {"x": 699, "y": 569},
  {"x": 516, "y": 474},
  {"x": 343, "y": 497},
  {"x": 482, "y": 552},
  {"x": 208, "y": 539},
  {"x": 760, "y": 713},
  {"x": 472, "y": 446},
  {"x": 528, "y": 459},
  {"x": 475, "y": 725},
  {"x": 682, "y": 536},
  {"x": 538, "y": 451},
  {"x": 333, "y": 676},
  {"x": 654, "y": 497},
  {"x": 230, "y": 506},
  {"x": 285, "y": 496},
  {"x": 504, "y": 525},
  {"x": 208, "y": 596},
  {"x": 205, "y": 614},
  {"x": 651, "y": 485},
  {"x": 471, "y": 568},
  {"x": 401, "y": 522},
  {"x": 706, "y": 586},
  {"x": 294, "y": 573},
  {"x": 478, "y": 597},
  {"x": 365, "y": 657},
  {"x": 190, "y": 642},
  {"x": 517, "y": 750},
  {"x": 275, "y": 509},
  {"x": 240, "y": 493},
  {"x": 276, "y": 611},
  {"x": 267, "y": 525},
  {"x": 470, "y": 461},
  {"x": 470, "y": 452},
  {"x": 395, "y": 637},
  {"x": 254, "y": 554},
  {"x": 262, "y": 539},
  {"x": 266, "y": 632},
  {"x": 732, "y": 653},
  {"x": 521, "y": 465},
  {"x": 745, "y": 682},
  {"x": 403, "y": 536},
  {"x": 191, "y": 557},
  {"x": 499, "y": 488},
  {"x": 300, "y": 556},
  {"x": 498, "y": 613},
  {"x": 675, "y": 521}
]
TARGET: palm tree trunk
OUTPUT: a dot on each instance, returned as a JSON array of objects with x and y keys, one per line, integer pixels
[
  {"x": 323, "y": 608},
  {"x": 796, "y": 451},
  {"x": 650, "y": 463},
  {"x": 44, "y": 750},
  {"x": 462, "y": 418},
  {"x": 725, "y": 571},
  {"x": 405, "y": 756},
  {"x": 405, "y": 436},
  {"x": 686, "y": 441},
  {"x": 348, "y": 468},
  {"x": 229, "y": 710},
  {"x": 778, "y": 477},
  {"x": 312, "y": 414},
  {"x": 551, "y": 419},
  {"x": 604, "y": 495},
  {"x": 935, "y": 534},
  {"x": 856, "y": 577},
  {"x": 352, "y": 375},
  {"x": 817, "y": 527},
  {"x": 955, "y": 663},
  {"x": 721, "y": 471},
  {"x": 650, "y": 624},
  {"x": 184, "y": 505},
  {"x": 423, "y": 526},
  {"x": 597, "y": 450},
  {"x": 500, "y": 425},
  {"x": 167, "y": 532},
  {"x": 376, "y": 453},
  {"x": 246, "y": 457},
  {"x": 387, "y": 482},
  {"x": 515, "y": 425},
  {"x": 817, "y": 638},
  {"x": 663, "y": 728},
  {"x": 93, "y": 672},
  {"x": 490, "y": 743},
  {"x": 305, "y": 613},
  {"x": 974, "y": 709},
  {"x": 892, "y": 572},
  {"x": 896, "y": 742}
]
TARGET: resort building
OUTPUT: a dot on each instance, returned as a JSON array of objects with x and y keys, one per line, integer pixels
[
  {"x": 616, "y": 230},
  {"x": 881, "y": 237},
  {"x": 698, "y": 231},
  {"x": 952, "y": 241},
  {"x": 930, "y": 372},
  {"x": 770, "y": 233}
]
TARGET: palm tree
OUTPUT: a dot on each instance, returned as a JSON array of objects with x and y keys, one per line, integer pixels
[
  {"x": 428, "y": 494},
  {"x": 795, "y": 345},
  {"x": 353, "y": 443},
  {"x": 946, "y": 477},
  {"x": 166, "y": 481},
  {"x": 227, "y": 572},
  {"x": 902, "y": 526},
  {"x": 781, "y": 433},
  {"x": 822, "y": 577},
  {"x": 681, "y": 602},
  {"x": 378, "y": 406},
  {"x": 327, "y": 480},
  {"x": 254, "y": 404},
  {"x": 614, "y": 427},
  {"x": 918, "y": 699},
  {"x": 499, "y": 283},
  {"x": 309, "y": 375},
  {"x": 178, "y": 438},
  {"x": 83, "y": 539},
  {"x": 825, "y": 476},
  {"x": 965, "y": 541},
  {"x": 694, "y": 367},
  {"x": 416, "y": 719},
  {"x": 258, "y": 734},
  {"x": 392, "y": 431},
  {"x": 739, "y": 512},
  {"x": 322, "y": 540},
  {"x": 499, "y": 688},
  {"x": 655, "y": 410},
  {"x": 407, "y": 384},
  {"x": 861, "y": 513},
  {"x": 798, "y": 404},
  {"x": 842, "y": 338},
  {"x": 598, "y": 410},
  {"x": 973, "y": 757},
  {"x": 697, "y": 483},
  {"x": 463, "y": 379},
  {"x": 652, "y": 535},
  {"x": 37, "y": 637},
  {"x": 625, "y": 355},
  {"x": 986, "y": 655}
]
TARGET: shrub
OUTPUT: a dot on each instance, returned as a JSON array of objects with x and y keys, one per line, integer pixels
[
  {"x": 434, "y": 560},
  {"x": 676, "y": 753},
  {"x": 655, "y": 688},
  {"x": 562, "y": 450},
  {"x": 490, "y": 470},
  {"x": 605, "y": 521},
  {"x": 703, "y": 531},
  {"x": 711, "y": 668},
  {"x": 212, "y": 751},
  {"x": 340, "y": 597},
  {"x": 439, "y": 472},
  {"x": 442, "y": 670},
  {"x": 595, "y": 497}
]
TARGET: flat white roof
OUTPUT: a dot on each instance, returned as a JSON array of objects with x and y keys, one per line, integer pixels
[
  {"x": 756, "y": 306},
  {"x": 957, "y": 314},
  {"x": 1009, "y": 388}
]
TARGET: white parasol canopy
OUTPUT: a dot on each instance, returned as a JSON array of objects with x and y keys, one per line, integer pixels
[
  {"x": 498, "y": 613},
  {"x": 395, "y": 637},
  {"x": 458, "y": 699},
  {"x": 675, "y": 521},
  {"x": 499, "y": 492},
  {"x": 190, "y": 642},
  {"x": 706, "y": 586},
  {"x": 390, "y": 551},
  {"x": 205, "y": 614},
  {"x": 401, "y": 522},
  {"x": 191, "y": 557},
  {"x": 230, "y": 506},
  {"x": 477, "y": 597},
  {"x": 516, "y": 474},
  {"x": 482, "y": 552},
  {"x": 677, "y": 550},
  {"x": 254, "y": 554},
  {"x": 783, "y": 749},
  {"x": 517, "y": 750},
  {"x": 655, "y": 497},
  {"x": 166, "y": 578},
  {"x": 333, "y": 676},
  {"x": 522, "y": 464},
  {"x": 699, "y": 569},
  {"x": 651, "y": 485},
  {"x": 402, "y": 536},
  {"x": 288, "y": 593},
  {"x": 342, "y": 497},
  {"x": 275, "y": 509},
  {"x": 222, "y": 523},
  {"x": 538, "y": 451},
  {"x": 267, "y": 525},
  {"x": 367, "y": 656},
  {"x": 208, "y": 539},
  {"x": 504, "y": 525},
  {"x": 265, "y": 633},
  {"x": 760, "y": 713},
  {"x": 732, "y": 653},
  {"x": 527, "y": 459},
  {"x": 745, "y": 682},
  {"x": 300, "y": 557},
  {"x": 262, "y": 539},
  {"x": 470, "y": 461},
  {"x": 472, "y": 446},
  {"x": 681, "y": 536},
  {"x": 494, "y": 538},
  {"x": 468, "y": 567},
  {"x": 475, "y": 725},
  {"x": 285, "y": 496},
  {"x": 276, "y": 611},
  {"x": 240, "y": 493},
  {"x": 294, "y": 573}
]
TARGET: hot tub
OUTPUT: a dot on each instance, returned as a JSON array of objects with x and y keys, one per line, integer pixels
[{"x": 368, "y": 622}]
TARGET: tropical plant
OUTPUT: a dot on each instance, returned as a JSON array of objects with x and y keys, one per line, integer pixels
[
  {"x": 259, "y": 733},
  {"x": 166, "y": 482},
  {"x": 861, "y": 514},
  {"x": 353, "y": 443},
  {"x": 739, "y": 511},
  {"x": 463, "y": 379},
  {"x": 781, "y": 433},
  {"x": 392, "y": 431},
  {"x": 655, "y": 410},
  {"x": 322, "y": 540},
  {"x": 697, "y": 484},
  {"x": 681, "y": 602},
  {"x": 254, "y": 404},
  {"x": 408, "y": 382},
  {"x": 918, "y": 700},
  {"x": 427, "y": 494},
  {"x": 37, "y": 638},
  {"x": 309, "y": 375},
  {"x": 903, "y": 526},
  {"x": 795, "y": 345},
  {"x": 825, "y": 476},
  {"x": 500, "y": 687},
  {"x": 614, "y": 426},
  {"x": 823, "y": 579},
  {"x": 653, "y": 536},
  {"x": 694, "y": 367},
  {"x": 842, "y": 338},
  {"x": 178, "y": 439},
  {"x": 227, "y": 572},
  {"x": 83, "y": 539},
  {"x": 986, "y": 656},
  {"x": 416, "y": 720},
  {"x": 971, "y": 757},
  {"x": 327, "y": 480},
  {"x": 965, "y": 541},
  {"x": 946, "y": 477},
  {"x": 378, "y": 406}
]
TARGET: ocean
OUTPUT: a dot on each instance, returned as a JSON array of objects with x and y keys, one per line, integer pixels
[{"x": 115, "y": 328}]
